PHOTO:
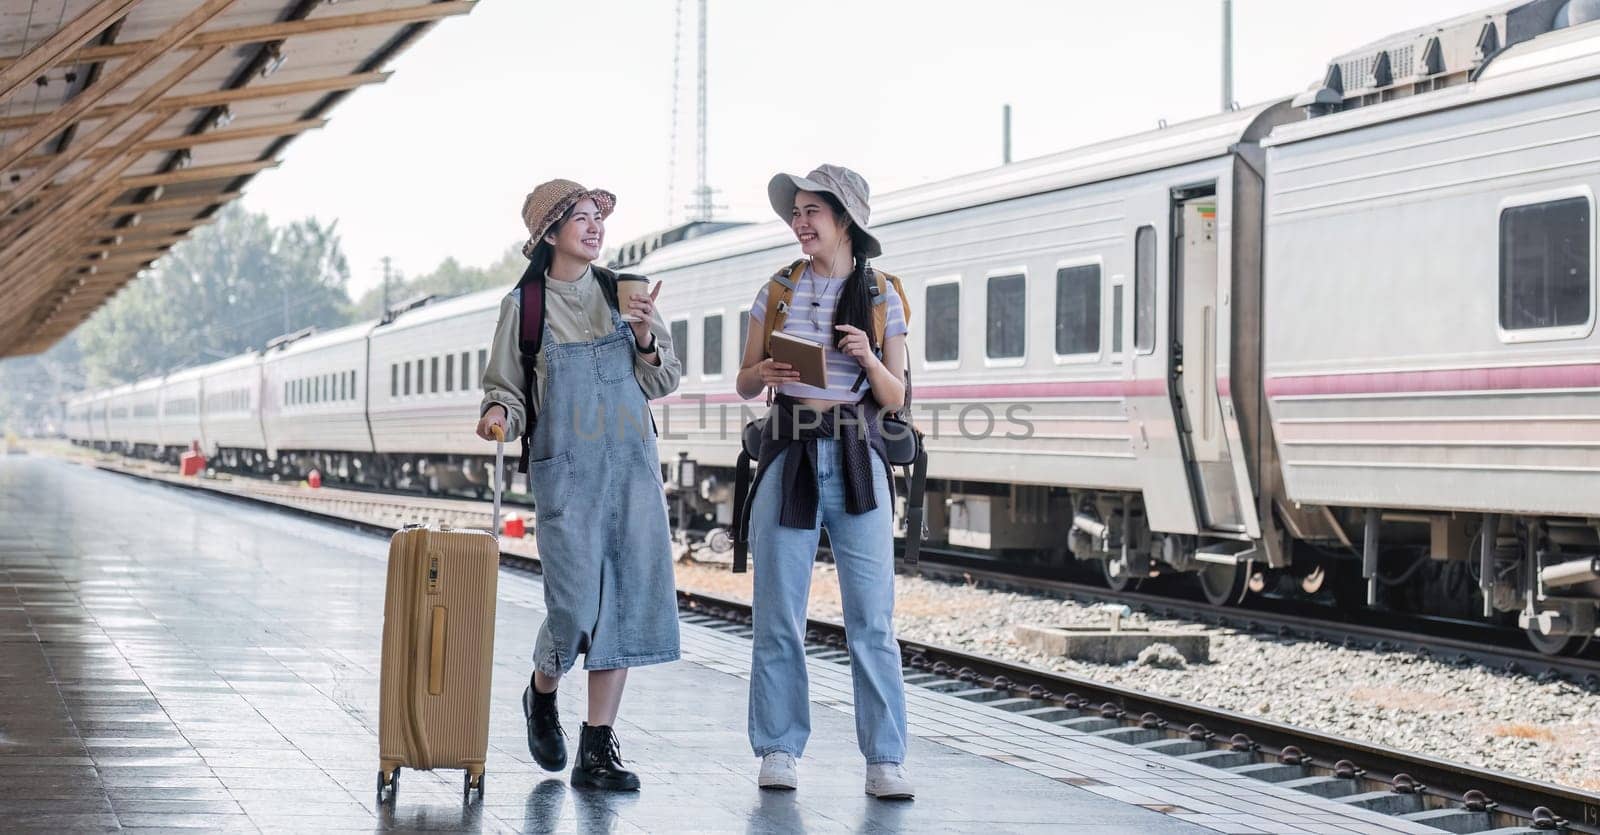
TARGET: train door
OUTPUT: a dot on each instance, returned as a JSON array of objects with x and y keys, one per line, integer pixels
[{"x": 1213, "y": 479}]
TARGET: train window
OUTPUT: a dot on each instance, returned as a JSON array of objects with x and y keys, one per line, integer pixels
[
  {"x": 1116, "y": 318},
  {"x": 1545, "y": 267},
  {"x": 466, "y": 373},
  {"x": 711, "y": 345},
  {"x": 433, "y": 376},
  {"x": 942, "y": 335},
  {"x": 1078, "y": 309},
  {"x": 394, "y": 379},
  {"x": 1144, "y": 289},
  {"x": 680, "y": 340},
  {"x": 406, "y": 376},
  {"x": 352, "y": 385},
  {"x": 285, "y": 392},
  {"x": 1007, "y": 315},
  {"x": 449, "y": 372},
  {"x": 483, "y": 363}
]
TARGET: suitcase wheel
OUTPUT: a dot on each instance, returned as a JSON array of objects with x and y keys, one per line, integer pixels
[
  {"x": 388, "y": 784},
  {"x": 471, "y": 784}
]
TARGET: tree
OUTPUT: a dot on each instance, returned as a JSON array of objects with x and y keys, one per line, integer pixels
[
  {"x": 229, "y": 288},
  {"x": 450, "y": 278},
  {"x": 34, "y": 389}
]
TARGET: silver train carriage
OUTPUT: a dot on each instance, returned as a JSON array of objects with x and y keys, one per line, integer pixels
[
  {"x": 1433, "y": 370},
  {"x": 1347, "y": 339}
]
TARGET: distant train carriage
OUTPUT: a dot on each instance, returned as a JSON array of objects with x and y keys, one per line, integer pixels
[
  {"x": 427, "y": 380},
  {"x": 230, "y": 418},
  {"x": 314, "y": 408},
  {"x": 99, "y": 415},
  {"x": 80, "y": 411},
  {"x": 180, "y": 413}
]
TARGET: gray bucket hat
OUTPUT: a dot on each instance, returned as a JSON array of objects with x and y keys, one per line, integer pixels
[{"x": 836, "y": 180}]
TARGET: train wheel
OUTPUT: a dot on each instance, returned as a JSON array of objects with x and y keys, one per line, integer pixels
[
  {"x": 1118, "y": 576},
  {"x": 1222, "y": 585},
  {"x": 1557, "y": 644}
]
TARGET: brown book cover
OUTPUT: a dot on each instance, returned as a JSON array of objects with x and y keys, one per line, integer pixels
[{"x": 806, "y": 356}]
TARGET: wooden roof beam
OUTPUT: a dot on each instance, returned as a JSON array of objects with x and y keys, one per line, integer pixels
[
  {"x": 279, "y": 31},
  {"x": 212, "y": 137},
  {"x": 59, "y": 47},
  {"x": 61, "y": 195},
  {"x": 199, "y": 174},
  {"x": 195, "y": 201},
  {"x": 42, "y": 243},
  {"x": 112, "y": 251},
  {"x": 27, "y": 240},
  {"x": 124, "y": 114},
  {"x": 78, "y": 105},
  {"x": 221, "y": 97}
]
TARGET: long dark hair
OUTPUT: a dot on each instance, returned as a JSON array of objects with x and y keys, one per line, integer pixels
[
  {"x": 855, "y": 304},
  {"x": 543, "y": 251}
]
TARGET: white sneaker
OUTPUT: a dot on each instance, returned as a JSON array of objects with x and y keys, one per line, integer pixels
[
  {"x": 778, "y": 771},
  {"x": 889, "y": 781}
]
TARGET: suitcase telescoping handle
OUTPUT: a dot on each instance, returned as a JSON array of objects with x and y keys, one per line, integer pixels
[{"x": 499, "y": 473}]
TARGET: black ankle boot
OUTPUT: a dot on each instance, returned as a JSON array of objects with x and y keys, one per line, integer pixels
[
  {"x": 600, "y": 761},
  {"x": 546, "y": 741}
]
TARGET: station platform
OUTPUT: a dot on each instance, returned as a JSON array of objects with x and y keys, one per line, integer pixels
[{"x": 173, "y": 660}]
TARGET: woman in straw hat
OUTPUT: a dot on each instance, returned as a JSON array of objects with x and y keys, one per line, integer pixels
[
  {"x": 824, "y": 475},
  {"x": 575, "y": 389}
]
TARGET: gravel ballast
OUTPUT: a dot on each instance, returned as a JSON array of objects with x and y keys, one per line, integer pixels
[{"x": 1544, "y": 730}]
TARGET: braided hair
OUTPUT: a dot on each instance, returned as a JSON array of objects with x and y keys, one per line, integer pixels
[{"x": 855, "y": 302}]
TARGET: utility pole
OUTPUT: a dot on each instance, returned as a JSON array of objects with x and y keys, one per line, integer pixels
[
  {"x": 1005, "y": 129},
  {"x": 386, "y": 274},
  {"x": 1227, "y": 55},
  {"x": 702, "y": 191}
]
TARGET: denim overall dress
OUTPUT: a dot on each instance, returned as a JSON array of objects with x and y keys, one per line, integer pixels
[{"x": 601, "y": 512}]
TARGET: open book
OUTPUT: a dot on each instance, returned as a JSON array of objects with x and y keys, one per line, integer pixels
[{"x": 806, "y": 356}]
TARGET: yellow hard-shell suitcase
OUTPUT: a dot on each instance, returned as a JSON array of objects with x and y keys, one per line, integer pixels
[{"x": 438, "y": 651}]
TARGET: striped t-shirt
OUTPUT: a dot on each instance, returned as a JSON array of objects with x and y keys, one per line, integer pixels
[{"x": 811, "y": 317}]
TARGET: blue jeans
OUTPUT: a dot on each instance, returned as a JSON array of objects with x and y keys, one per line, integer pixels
[{"x": 863, "y": 551}]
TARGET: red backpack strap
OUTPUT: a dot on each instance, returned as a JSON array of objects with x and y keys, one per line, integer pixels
[
  {"x": 530, "y": 340},
  {"x": 532, "y": 337}
]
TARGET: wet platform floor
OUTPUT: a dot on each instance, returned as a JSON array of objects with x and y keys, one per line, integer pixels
[{"x": 171, "y": 660}]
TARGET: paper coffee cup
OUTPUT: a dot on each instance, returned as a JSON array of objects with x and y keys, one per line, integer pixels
[{"x": 627, "y": 288}]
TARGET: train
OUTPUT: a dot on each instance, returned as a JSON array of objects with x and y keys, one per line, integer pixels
[{"x": 1342, "y": 342}]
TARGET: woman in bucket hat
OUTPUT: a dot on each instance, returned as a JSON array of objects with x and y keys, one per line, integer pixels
[
  {"x": 828, "y": 470},
  {"x": 576, "y": 392}
]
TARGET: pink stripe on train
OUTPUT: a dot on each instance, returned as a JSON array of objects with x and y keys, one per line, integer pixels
[{"x": 1454, "y": 379}]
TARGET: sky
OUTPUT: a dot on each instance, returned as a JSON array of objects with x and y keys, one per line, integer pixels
[{"x": 436, "y": 162}]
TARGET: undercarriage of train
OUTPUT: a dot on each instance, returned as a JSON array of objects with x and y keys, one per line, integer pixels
[{"x": 1538, "y": 574}]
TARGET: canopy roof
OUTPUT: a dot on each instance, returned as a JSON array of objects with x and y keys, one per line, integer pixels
[{"x": 126, "y": 124}]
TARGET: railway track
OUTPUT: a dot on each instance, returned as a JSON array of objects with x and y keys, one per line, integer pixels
[
  {"x": 1454, "y": 796},
  {"x": 1470, "y": 644},
  {"x": 1402, "y": 637}
]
